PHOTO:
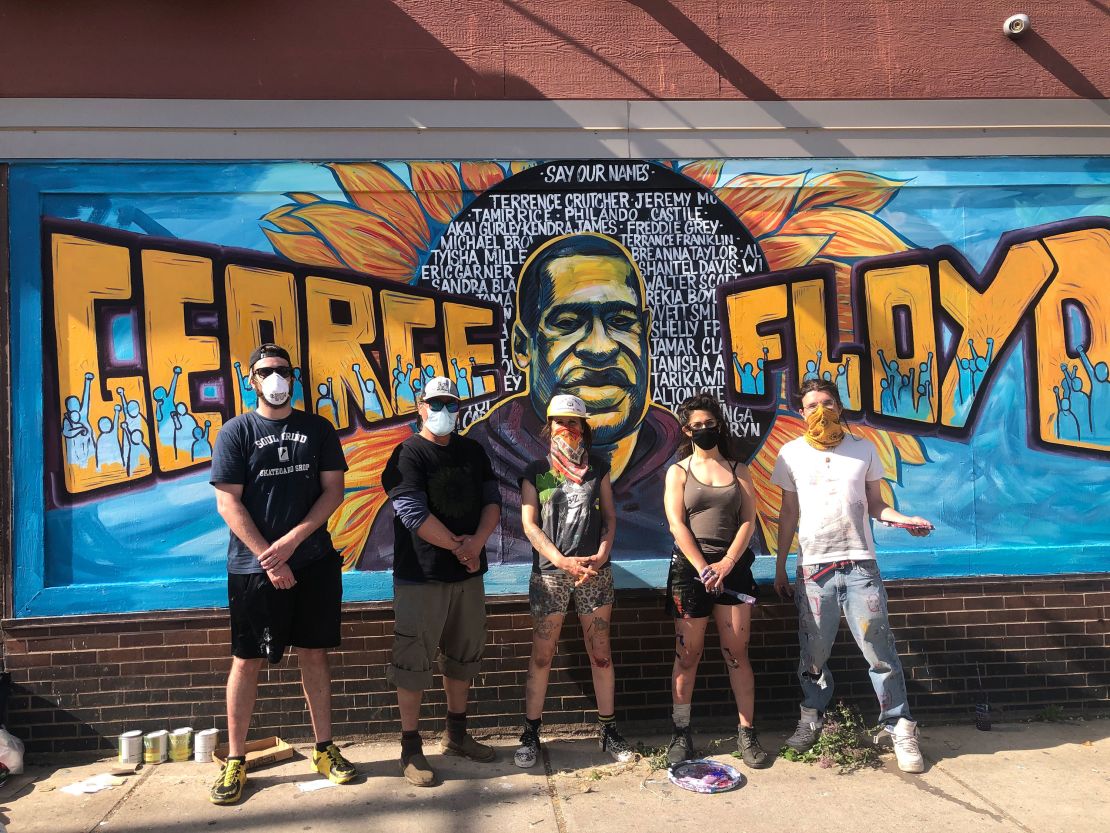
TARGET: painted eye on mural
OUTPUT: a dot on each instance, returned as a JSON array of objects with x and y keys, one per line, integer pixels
[
  {"x": 622, "y": 321},
  {"x": 566, "y": 322}
]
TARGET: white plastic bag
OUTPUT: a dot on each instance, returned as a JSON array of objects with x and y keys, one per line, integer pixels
[{"x": 11, "y": 752}]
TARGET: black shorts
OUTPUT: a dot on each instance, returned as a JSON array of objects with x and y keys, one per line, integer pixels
[
  {"x": 687, "y": 597},
  {"x": 265, "y": 621}
]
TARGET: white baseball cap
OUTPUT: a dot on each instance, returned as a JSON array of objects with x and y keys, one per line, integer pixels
[
  {"x": 565, "y": 405},
  {"x": 440, "y": 387}
]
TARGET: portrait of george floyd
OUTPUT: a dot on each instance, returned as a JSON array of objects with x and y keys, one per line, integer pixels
[{"x": 582, "y": 326}]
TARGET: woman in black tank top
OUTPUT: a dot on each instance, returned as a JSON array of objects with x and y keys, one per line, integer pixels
[{"x": 710, "y": 505}]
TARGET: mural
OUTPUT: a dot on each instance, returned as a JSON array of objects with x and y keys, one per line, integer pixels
[{"x": 961, "y": 306}]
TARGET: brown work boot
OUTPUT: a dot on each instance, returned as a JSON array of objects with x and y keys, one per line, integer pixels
[
  {"x": 467, "y": 748},
  {"x": 417, "y": 770}
]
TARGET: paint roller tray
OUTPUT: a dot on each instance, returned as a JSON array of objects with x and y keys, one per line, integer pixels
[{"x": 260, "y": 753}]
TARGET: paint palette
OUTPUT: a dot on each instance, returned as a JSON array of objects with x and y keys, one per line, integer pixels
[
  {"x": 897, "y": 525},
  {"x": 703, "y": 775}
]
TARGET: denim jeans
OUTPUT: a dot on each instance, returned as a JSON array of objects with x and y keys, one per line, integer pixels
[{"x": 857, "y": 589}]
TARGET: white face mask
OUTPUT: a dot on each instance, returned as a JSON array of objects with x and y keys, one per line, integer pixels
[
  {"x": 441, "y": 423},
  {"x": 275, "y": 389}
]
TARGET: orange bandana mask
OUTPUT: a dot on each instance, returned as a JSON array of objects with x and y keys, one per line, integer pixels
[
  {"x": 823, "y": 428},
  {"x": 568, "y": 454}
]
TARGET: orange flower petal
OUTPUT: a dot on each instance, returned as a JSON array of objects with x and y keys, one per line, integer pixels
[
  {"x": 785, "y": 251},
  {"x": 438, "y": 186},
  {"x": 850, "y": 189},
  {"x": 855, "y": 233},
  {"x": 365, "y": 242},
  {"x": 303, "y": 248},
  {"x": 280, "y": 218},
  {"x": 761, "y": 201},
  {"x": 704, "y": 171},
  {"x": 377, "y": 189},
  {"x": 481, "y": 176},
  {"x": 303, "y": 198}
]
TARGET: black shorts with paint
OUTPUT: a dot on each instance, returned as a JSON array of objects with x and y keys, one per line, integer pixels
[{"x": 686, "y": 595}]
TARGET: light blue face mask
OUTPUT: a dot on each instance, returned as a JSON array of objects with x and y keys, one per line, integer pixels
[{"x": 442, "y": 422}]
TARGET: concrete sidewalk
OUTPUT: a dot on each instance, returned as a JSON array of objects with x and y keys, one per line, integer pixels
[{"x": 1039, "y": 777}]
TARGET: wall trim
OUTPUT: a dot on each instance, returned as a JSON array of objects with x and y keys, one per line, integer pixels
[{"x": 218, "y": 129}]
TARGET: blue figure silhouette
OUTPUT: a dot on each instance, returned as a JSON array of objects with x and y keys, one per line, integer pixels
[
  {"x": 201, "y": 448},
  {"x": 132, "y": 416},
  {"x": 842, "y": 383},
  {"x": 979, "y": 364},
  {"x": 371, "y": 404},
  {"x": 250, "y": 398},
  {"x": 429, "y": 372},
  {"x": 325, "y": 402},
  {"x": 168, "y": 416},
  {"x": 108, "y": 451},
  {"x": 183, "y": 425},
  {"x": 826, "y": 375},
  {"x": 1067, "y": 426},
  {"x": 76, "y": 429},
  {"x": 893, "y": 379},
  {"x": 886, "y": 398},
  {"x": 1080, "y": 401},
  {"x": 811, "y": 369},
  {"x": 1098, "y": 375},
  {"x": 403, "y": 394},
  {"x": 137, "y": 452},
  {"x": 746, "y": 373},
  {"x": 297, "y": 399},
  {"x": 461, "y": 381},
  {"x": 477, "y": 383},
  {"x": 761, "y": 373}
]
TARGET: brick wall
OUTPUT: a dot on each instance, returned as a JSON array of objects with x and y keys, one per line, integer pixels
[{"x": 79, "y": 681}]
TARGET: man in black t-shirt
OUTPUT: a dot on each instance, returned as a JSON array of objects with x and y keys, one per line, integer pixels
[
  {"x": 278, "y": 474},
  {"x": 446, "y": 504}
]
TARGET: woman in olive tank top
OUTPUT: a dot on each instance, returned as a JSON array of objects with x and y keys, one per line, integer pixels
[{"x": 710, "y": 505}]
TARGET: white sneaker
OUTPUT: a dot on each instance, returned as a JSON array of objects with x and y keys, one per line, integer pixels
[
  {"x": 529, "y": 751},
  {"x": 906, "y": 747}
]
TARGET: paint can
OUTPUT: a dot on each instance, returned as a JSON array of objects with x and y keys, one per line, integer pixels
[
  {"x": 205, "y": 745},
  {"x": 131, "y": 747},
  {"x": 155, "y": 746},
  {"x": 983, "y": 717},
  {"x": 181, "y": 742}
]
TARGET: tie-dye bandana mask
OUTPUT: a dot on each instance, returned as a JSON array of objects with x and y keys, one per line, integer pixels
[{"x": 568, "y": 454}]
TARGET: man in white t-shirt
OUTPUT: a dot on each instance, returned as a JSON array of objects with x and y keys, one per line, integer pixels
[{"x": 830, "y": 491}]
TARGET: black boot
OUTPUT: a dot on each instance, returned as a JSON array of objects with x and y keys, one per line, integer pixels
[{"x": 747, "y": 744}]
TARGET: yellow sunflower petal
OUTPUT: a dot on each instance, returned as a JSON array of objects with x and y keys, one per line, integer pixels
[
  {"x": 375, "y": 188},
  {"x": 761, "y": 201},
  {"x": 280, "y": 217},
  {"x": 704, "y": 171},
  {"x": 302, "y": 248},
  {"x": 855, "y": 233},
  {"x": 850, "y": 189},
  {"x": 909, "y": 448},
  {"x": 365, "y": 242},
  {"x": 438, "y": 186},
  {"x": 302, "y": 197},
  {"x": 481, "y": 176},
  {"x": 788, "y": 251}
]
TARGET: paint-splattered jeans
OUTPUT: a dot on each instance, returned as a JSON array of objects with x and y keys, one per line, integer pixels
[{"x": 857, "y": 589}]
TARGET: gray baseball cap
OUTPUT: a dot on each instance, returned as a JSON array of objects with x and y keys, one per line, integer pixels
[{"x": 440, "y": 387}]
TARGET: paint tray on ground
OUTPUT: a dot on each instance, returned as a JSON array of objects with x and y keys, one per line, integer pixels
[
  {"x": 704, "y": 775},
  {"x": 260, "y": 753}
]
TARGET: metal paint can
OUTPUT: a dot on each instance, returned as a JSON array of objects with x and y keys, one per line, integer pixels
[
  {"x": 181, "y": 742},
  {"x": 155, "y": 746},
  {"x": 983, "y": 717},
  {"x": 131, "y": 747},
  {"x": 205, "y": 745}
]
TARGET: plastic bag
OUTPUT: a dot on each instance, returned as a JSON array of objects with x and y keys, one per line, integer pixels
[{"x": 11, "y": 752}]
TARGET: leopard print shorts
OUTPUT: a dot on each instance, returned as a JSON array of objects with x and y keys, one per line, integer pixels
[{"x": 549, "y": 592}]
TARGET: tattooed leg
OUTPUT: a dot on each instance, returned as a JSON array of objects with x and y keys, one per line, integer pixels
[
  {"x": 545, "y": 642},
  {"x": 689, "y": 641}
]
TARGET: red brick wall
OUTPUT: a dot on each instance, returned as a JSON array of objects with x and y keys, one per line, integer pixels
[
  {"x": 534, "y": 49},
  {"x": 1036, "y": 641}
]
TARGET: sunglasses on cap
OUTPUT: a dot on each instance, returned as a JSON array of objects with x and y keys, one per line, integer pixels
[
  {"x": 285, "y": 372},
  {"x": 437, "y": 405}
]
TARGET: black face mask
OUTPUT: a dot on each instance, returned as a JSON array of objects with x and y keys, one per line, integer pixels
[{"x": 706, "y": 438}]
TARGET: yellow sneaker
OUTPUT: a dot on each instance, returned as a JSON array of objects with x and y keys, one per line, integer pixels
[
  {"x": 229, "y": 786},
  {"x": 331, "y": 763}
]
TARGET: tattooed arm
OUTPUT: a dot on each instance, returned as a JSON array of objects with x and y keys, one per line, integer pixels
[{"x": 608, "y": 524}]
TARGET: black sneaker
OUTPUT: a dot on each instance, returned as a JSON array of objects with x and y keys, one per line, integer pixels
[
  {"x": 529, "y": 751},
  {"x": 681, "y": 747},
  {"x": 809, "y": 729},
  {"x": 747, "y": 744},
  {"x": 610, "y": 741}
]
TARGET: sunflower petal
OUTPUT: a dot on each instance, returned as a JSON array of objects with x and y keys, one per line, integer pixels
[
  {"x": 365, "y": 242},
  {"x": 302, "y": 248},
  {"x": 375, "y": 188},
  {"x": 786, "y": 251},
  {"x": 302, "y": 197},
  {"x": 438, "y": 186},
  {"x": 850, "y": 189},
  {"x": 280, "y": 217},
  {"x": 704, "y": 171},
  {"x": 481, "y": 176},
  {"x": 855, "y": 233},
  {"x": 761, "y": 201}
]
